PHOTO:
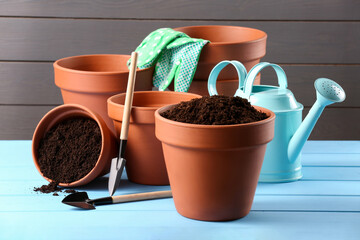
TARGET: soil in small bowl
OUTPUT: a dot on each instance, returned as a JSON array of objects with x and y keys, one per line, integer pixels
[
  {"x": 215, "y": 110},
  {"x": 69, "y": 151}
]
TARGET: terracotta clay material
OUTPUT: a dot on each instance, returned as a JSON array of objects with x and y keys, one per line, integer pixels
[
  {"x": 67, "y": 111},
  {"x": 247, "y": 45},
  {"x": 145, "y": 162},
  {"x": 224, "y": 87},
  {"x": 90, "y": 80},
  {"x": 214, "y": 169}
]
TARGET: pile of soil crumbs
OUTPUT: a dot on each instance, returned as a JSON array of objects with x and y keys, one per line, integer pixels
[
  {"x": 52, "y": 187},
  {"x": 69, "y": 151},
  {"x": 214, "y": 110}
]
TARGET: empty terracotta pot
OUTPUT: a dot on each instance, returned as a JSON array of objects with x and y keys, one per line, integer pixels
[
  {"x": 90, "y": 80},
  {"x": 247, "y": 45},
  {"x": 214, "y": 169},
  {"x": 63, "y": 112},
  {"x": 144, "y": 158}
]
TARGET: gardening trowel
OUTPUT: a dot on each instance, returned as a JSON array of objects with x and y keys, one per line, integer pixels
[
  {"x": 81, "y": 199},
  {"x": 118, "y": 164}
]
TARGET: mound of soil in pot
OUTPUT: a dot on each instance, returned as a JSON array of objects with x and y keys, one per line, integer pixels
[
  {"x": 69, "y": 150},
  {"x": 215, "y": 110}
]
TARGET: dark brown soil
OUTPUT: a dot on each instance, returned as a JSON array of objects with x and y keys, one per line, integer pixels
[
  {"x": 70, "y": 191},
  {"x": 53, "y": 187},
  {"x": 70, "y": 150},
  {"x": 214, "y": 110}
]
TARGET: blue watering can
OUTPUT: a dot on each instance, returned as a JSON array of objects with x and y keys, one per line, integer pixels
[{"x": 282, "y": 161}]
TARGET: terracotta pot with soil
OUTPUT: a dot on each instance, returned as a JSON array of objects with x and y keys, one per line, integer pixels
[
  {"x": 247, "y": 45},
  {"x": 145, "y": 162},
  {"x": 72, "y": 145},
  {"x": 89, "y": 80},
  {"x": 214, "y": 169}
]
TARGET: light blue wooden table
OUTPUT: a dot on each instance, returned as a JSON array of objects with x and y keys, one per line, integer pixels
[{"x": 325, "y": 204}]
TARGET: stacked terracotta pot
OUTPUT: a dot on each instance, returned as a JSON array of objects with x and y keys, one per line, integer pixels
[
  {"x": 213, "y": 173},
  {"x": 145, "y": 160},
  {"x": 247, "y": 45}
]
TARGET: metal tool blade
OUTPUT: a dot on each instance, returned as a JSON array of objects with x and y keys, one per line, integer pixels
[
  {"x": 79, "y": 199},
  {"x": 116, "y": 169}
]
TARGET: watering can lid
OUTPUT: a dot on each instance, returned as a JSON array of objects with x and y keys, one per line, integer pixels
[{"x": 275, "y": 98}]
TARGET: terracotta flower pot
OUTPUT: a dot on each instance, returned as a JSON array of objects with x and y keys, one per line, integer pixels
[
  {"x": 90, "y": 80},
  {"x": 145, "y": 162},
  {"x": 63, "y": 112},
  {"x": 246, "y": 45},
  {"x": 214, "y": 169},
  {"x": 224, "y": 87}
]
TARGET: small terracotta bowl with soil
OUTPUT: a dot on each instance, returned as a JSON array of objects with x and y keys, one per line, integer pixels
[
  {"x": 144, "y": 157},
  {"x": 247, "y": 45},
  {"x": 89, "y": 80},
  {"x": 214, "y": 169},
  {"x": 65, "y": 113}
]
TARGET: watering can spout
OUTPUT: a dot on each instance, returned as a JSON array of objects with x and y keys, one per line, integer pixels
[
  {"x": 327, "y": 92},
  {"x": 302, "y": 134}
]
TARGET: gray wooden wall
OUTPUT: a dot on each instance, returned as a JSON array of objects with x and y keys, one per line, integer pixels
[{"x": 310, "y": 39}]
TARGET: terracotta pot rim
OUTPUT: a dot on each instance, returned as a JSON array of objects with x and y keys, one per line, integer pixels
[
  {"x": 139, "y": 108},
  {"x": 264, "y": 37},
  {"x": 271, "y": 116},
  {"x": 58, "y": 66},
  {"x": 70, "y": 107}
]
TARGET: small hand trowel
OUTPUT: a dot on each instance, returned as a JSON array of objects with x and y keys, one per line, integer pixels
[
  {"x": 118, "y": 164},
  {"x": 81, "y": 199}
]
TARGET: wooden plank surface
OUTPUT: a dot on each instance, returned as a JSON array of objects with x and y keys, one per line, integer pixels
[
  {"x": 28, "y": 83},
  {"x": 309, "y": 39},
  {"x": 186, "y": 9},
  {"x": 332, "y": 147},
  {"x": 159, "y": 225},
  {"x": 15, "y": 187},
  {"x": 33, "y": 82},
  {"x": 322, "y": 173},
  {"x": 326, "y": 209},
  {"x": 337, "y": 123},
  {"x": 301, "y": 81},
  {"x": 288, "y": 42},
  {"x": 261, "y": 203},
  {"x": 19, "y": 122},
  {"x": 315, "y": 153}
]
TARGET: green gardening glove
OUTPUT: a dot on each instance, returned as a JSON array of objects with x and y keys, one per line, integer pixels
[
  {"x": 152, "y": 46},
  {"x": 178, "y": 62},
  {"x": 175, "y": 54}
]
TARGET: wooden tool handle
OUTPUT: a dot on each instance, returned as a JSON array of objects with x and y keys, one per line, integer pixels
[
  {"x": 129, "y": 97},
  {"x": 141, "y": 196}
]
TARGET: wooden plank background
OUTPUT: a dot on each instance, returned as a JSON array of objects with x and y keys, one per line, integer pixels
[{"x": 310, "y": 39}]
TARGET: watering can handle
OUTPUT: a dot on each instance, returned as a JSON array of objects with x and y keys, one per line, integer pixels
[
  {"x": 240, "y": 69},
  {"x": 249, "y": 81}
]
